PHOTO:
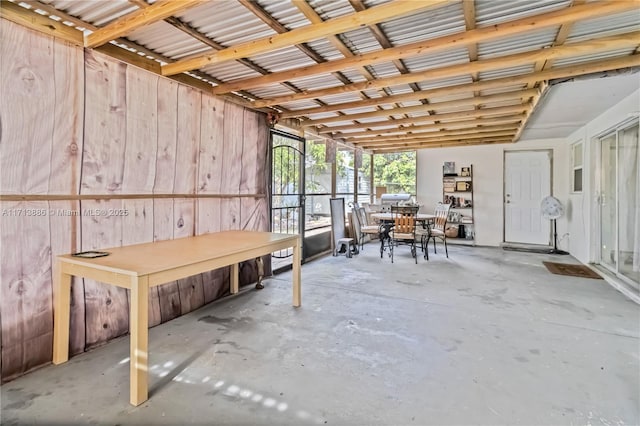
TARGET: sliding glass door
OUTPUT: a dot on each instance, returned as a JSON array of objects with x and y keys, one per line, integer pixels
[{"x": 619, "y": 201}]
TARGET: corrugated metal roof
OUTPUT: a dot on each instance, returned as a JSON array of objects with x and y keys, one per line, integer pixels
[
  {"x": 285, "y": 13},
  {"x": 318, "y": 81},
  {"x": 383, "y": 70},
  {"x": 399, "y": 89},
  {"x": 304, "y": 104},
  {"x": 491, "y": 12},
  {"x": 325, "y": 49},
  {"x": 354, "y": 75},
  {"x": 227, "y": 22},
  {"x": 168, "y": 40},
  {"x": 98, "y": 13},
  {"x": 271, "y": 91},
  {"x": 527, "y": 42},
  {"x": 360, "y": 41},
  {"x": 605, "y": 26},
  {"x": 503, "y": 89},
  {"x": 593, "y": 57},
  {"x": 328, "y": 9},
  {"x": 506, "y": 72},
  {"x": 428, "y": 24},
  {"x": 228, "y": 71},
  {"x": 445, "y": 82},
  {"x": 341, "y": 98},
  {"x": 282, "y": 59},
  {"x": 437, "y": 60}
]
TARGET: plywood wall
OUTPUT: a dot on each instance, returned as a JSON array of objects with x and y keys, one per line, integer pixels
[{"x": 78, "y": 123}]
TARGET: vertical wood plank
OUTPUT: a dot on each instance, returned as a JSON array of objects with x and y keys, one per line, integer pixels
[
  {"x": 26, "y": 291},
  {"x": 66, "y": 155},
  {"x": 64, "y": 218},
  {"x": 163, "y": 217},
  {"x": 248, "y": 160},
  {"x": 26, "y": 132},
  {"x": 254, "y": 212},
  {"x": 107, "y": 308},
  {"x": 188, "y": 145},
  {"x": 140, "y": 165},
  {"x": 209, "y": 178},
  {"x": 25, "y": 167}
]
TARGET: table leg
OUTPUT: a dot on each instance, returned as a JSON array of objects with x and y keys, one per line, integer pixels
[
  {"x": 235, "y": 272},
  {"x": 297, "y": 298},
  {"x": 260, "y": 265},
  {"x": 139, "y": 334},
  {"x": 61, "y": 312}
]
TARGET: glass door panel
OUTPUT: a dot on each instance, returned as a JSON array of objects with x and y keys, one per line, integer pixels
[
  {"x": 608, "y": 203},
  {"x": 629, "y": 204}
]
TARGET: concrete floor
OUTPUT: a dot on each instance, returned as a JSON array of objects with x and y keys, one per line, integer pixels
[{"x": 484, "y": 337}]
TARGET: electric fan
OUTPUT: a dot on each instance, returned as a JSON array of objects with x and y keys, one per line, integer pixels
[{"x": 552, "y": 209}]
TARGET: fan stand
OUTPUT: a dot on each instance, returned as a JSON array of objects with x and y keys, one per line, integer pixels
[{"x": 555, "y": 241}]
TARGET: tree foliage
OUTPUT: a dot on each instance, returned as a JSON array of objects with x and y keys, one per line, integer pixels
[{"x": 396, "y": 172}]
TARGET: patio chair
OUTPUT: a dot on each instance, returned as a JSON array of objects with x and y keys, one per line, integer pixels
[
  {"x": 365, "y": 227},
  {"x": 403, "y": 230},
  {"x": 436, "y": 230}
]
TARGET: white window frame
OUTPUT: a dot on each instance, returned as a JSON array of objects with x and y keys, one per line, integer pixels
[{"x": 577, "y": 166}]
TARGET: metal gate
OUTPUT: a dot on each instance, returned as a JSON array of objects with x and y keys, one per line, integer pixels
[{"x": 287, "y": 191}]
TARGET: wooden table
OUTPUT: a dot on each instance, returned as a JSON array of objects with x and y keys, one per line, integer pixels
[{"x": 139, "y": 267}]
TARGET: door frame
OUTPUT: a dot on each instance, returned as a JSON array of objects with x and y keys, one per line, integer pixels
[
  {"x": 549, "y": 151},
  {"x": 596, "y": 227},
  {"x": 301, "y": 194}
]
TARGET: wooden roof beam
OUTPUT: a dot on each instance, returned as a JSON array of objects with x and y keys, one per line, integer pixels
[
  {"x": 484, "y": 112},
  {"x": 310, "y": 13},
  {"x": 300, "y": 35},
  {"x": 441, "y": 144},
  {"x": 561, "y": 37},
  {"x": 478, "y": 35},
  {"x": 474, "y": 101},
  {"x": 415, "y": 142},
  {"x": 479, "y": 100},
  {"x": 575, "y": 49},
  {"x": 560, "y": 72},
  {"x": 512, "y": 126},
  {"x": 485, "y": 133},
  {"x": 129, "y": 23},
  {"x": 474, "y": 123}
]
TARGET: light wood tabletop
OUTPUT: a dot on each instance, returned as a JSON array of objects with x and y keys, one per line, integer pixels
[{"x": 141, "y": 266}]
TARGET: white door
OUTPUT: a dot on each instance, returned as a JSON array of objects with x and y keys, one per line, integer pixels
[{"x": 527, "y": 180}]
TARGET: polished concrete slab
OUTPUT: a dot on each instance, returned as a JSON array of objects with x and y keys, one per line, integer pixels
[{"x": 484, "y": 337}]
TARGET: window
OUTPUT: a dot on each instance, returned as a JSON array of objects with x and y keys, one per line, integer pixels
[
  {"x": 395, "y": 172},
  {"x": 577, "y": 160}
]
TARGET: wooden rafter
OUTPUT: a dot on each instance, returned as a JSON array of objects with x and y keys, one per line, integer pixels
[
  {"x": 441, "y": 144},
  {"x": 485, "y": 112},
  {"x": 313, "y": 17},
  {"x": 439, "y": 44},
  {"x": 458, "y": 133},
  {"x": 473, "y": 101},
  {"x": 128, "y": 23},
  {"x": 628, "y": 40},
  {"x": 435, "y": 106},
  {"x": 409, "y": 141},
  {"x": 300, "y": 35},
  {"x": 381, "y": 37},
  {"x": 449, "y": 125},
  {"x": 561, "y": 37}
]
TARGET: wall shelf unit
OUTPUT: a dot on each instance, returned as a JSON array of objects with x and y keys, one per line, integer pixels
[{"x": 457, "y": 190}]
